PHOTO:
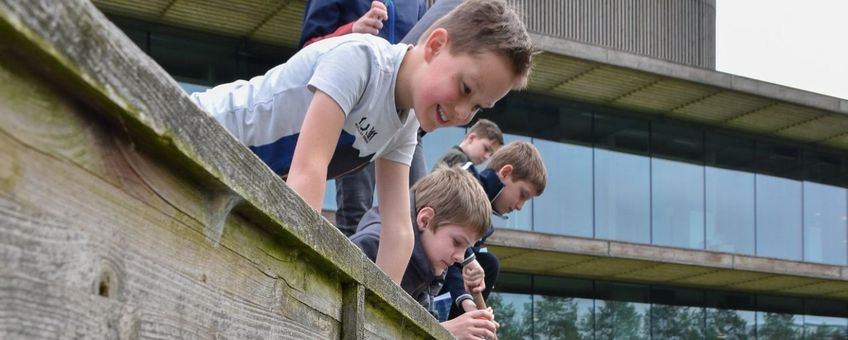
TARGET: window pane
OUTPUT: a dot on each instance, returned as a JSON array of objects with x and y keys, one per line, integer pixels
[
  {"x": 776, "y": 326},
  {"x": 561, "y": 318},
  {"x": 436, "y": 143},
  {"x": 622, "y": 199},
  {"x": 778, "y": 217},
  {"x": 566, "y": 205},
  {"x": 519, "y": 219},
  {"x": 677, "y": 322},
  {"x": 730, "y": 210},
  {"x": 824, "y": 223},
  {"x": 677, "y": 203},
  {"x": 823, "y": 327},
  {"x": 330, "y": 196},
  {"x": 621, "y": 320},
  {"x": 514, "y": 315},
  {"x": 730, "y": 324}
]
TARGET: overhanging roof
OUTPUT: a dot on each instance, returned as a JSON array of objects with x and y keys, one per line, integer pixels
[
  {"x": 567, "y": 69},
  {"x": 556, "y": 255}
]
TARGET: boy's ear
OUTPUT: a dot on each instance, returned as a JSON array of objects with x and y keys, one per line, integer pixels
[
  {"x": 435, "y": 43},
  {"x": 424, "y": 217},
  {"x": 471, "y": 136},
  {"x": 505, "y": 171}
]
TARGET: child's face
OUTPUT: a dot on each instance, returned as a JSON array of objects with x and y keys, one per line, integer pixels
[
  {"x": 513, "y": 195},
  {"x": 450, "y": 89},
  {"x": 479, "y": 149},
  {"x": 446, "y": 245}
]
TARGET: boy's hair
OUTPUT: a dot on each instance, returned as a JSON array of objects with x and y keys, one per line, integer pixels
[
  {"x": 476, "y": 26},
  {"x": 527, "y": 164},
  {"x": 456, "y": 198},
  {"x": 485, "y": 128}
]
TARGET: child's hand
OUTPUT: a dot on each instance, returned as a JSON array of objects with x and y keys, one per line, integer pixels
[
  {"x": 477, "y": 324},
  {"x": 474, "y": 277},
  {"x": 372, "y": 21}
]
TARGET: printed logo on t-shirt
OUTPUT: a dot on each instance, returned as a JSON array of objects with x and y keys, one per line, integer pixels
[{"x": 366, "y": 131}]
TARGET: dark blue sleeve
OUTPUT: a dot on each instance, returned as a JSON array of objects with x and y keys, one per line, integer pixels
[
  {"x": 454, "y": 282},
  {"x": 321, "y": 17},
  {"x": 422, "y": 8},
  {"x": 368, "y": 242}
]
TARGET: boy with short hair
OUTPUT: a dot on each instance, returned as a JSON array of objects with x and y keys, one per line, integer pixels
[
  {"x": 482, "y": 139},
  {"x": 450, "y": 211},
  {"x": 349, "y": 99},
  {"x": 515, "y": 174}
]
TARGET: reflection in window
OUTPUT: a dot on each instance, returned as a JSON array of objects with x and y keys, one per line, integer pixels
[
  {"x": 778, "y": 217},
  {"x": 730, "y": 210},
  {"x": 677, "y": 322},
  {"x": 514, "y": 314},
  {"x": 730, "y": 324},
  {"x": 622, "y": 198},
  {"x": 677, "y": 203},
  {"x": 566, "y": 205},
  {"x": 823, "y": 327},
  {"x": 561, "y": 318},
  {"x": 824, "y": 223},
  {"x": 779, "y": 326},
  {"x": 621, "y": 320}
]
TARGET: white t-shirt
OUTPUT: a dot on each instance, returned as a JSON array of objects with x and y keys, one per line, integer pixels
[{"x": 358, "y": 71}]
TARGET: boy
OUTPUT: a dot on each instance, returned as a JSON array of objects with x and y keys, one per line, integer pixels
[
  {"x": 392, "y": 21},
  {"x": 515, "y": 174},
  {"x": 450, "y": 211},
  {"x": 484, "y": 138},
  {"x": 349, "y": 99}
]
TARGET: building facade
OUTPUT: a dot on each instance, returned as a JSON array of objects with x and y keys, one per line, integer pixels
[{"x": 682, "y": 202}]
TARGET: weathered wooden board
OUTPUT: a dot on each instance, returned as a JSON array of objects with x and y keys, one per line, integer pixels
[{"x": 127, "y": 212}]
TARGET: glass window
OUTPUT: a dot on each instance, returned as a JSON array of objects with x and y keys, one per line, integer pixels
[
  {"x": 677, "y": 203},
  {"x": 823, "y": 327},
  {"x": 779, "y": 326},
  {"x": 778, "y": 217},
  {"x": 520, "y": 219},
  {"x": 436, "y": 143},
  {"x": 621, "y": 320},
  {"x": 514, "y": 313},
  {"x": 677, "y": 322},
  {"x": 561, "y": 318},
  {"x": 824, "y": 223},
  {"x": 729, "y": 210},
  {"x": 730, "y": 324},
  {"x": 330, "y": 196},
  {"x": 566, "y": 205},
  {"x": 622, "y": 196}
]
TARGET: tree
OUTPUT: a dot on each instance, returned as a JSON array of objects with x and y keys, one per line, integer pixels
[
  {"x": 676, "y": 323},
  {"x": 511, "y": 329},
  {"x": 619, "y": 320},
  {"x": 779, "y": 326},
  {"x": 553, "y": 318},
  {"x": 726, "y": 324}
]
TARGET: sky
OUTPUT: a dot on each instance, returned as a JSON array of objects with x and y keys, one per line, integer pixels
[{"x": 796, "y": 43}]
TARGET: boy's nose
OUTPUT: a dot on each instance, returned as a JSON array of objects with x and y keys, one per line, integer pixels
[{"x": 465, "y": 113}]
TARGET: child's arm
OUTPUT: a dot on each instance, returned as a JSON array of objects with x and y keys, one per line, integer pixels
[
  {"x": 396, "y": 238},
  {"x": 318, "y": 136}
]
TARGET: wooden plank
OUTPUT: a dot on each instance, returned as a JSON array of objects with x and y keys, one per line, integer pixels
[
  {"x": 88, "y": 61},
  {"x": 353, "y": 312}
]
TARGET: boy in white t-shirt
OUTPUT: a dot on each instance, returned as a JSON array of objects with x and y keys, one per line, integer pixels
[{"x": 349, "y": 100}]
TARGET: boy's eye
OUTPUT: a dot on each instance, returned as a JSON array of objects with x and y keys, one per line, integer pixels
[{"x": 465, "y": 89}]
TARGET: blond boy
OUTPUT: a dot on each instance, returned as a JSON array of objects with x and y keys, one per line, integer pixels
[{"x": 450, "y": 212}]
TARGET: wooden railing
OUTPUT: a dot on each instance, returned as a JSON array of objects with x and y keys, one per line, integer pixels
[{"x": 125, "y": 211}]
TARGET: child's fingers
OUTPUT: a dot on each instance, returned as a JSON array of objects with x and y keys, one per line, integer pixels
[{"x": 378, "y": 11}]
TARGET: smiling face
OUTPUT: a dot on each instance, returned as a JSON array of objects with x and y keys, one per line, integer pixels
[
  {"x": 449, "y": 89},
  {"x": 446, "y": 245}
]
